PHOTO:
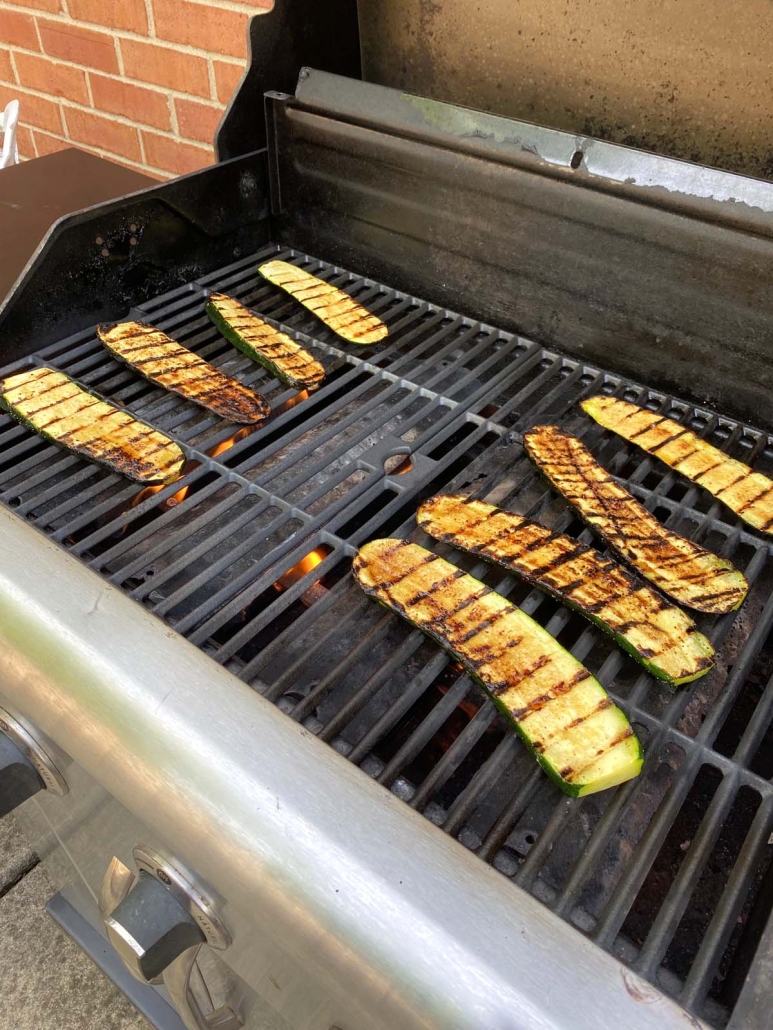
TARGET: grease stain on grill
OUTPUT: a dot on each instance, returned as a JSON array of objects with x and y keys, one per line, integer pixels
[{"x": 248, "y": 556}]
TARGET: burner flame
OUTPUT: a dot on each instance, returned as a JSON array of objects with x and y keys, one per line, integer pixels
[
  {"x": 290, "y": 403},
  {"x": 309, "y": 562},
  {"x": 179, "y": 497}
]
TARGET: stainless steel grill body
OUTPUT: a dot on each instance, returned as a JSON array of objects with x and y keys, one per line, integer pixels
[{"x": 328, "y": 881}]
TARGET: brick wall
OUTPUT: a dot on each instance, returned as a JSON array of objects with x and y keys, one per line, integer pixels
[{"x": 142, "y": 82}]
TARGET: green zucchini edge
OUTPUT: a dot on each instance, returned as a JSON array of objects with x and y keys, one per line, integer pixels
[
  {"x": 238, "y": 341},
  {"x": 571, "y": 790},
  {"x": 15, "y": 414},
  {"x": 722, "y": 563},
  {"x": 621, "y": 641}
]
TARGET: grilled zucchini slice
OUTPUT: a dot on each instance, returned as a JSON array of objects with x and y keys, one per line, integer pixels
[
  {"x": 167, "y": 363},
  {"x": 749, "y": 494},
  {"x": 656, "y": 633},
  {"x": 284, "y": 358},
  {"x": 340, "y": 312},
  {"x": 61, "y": 411},
  {"x": 578, "y": 735},
  {"x": 680, "y": 568}
]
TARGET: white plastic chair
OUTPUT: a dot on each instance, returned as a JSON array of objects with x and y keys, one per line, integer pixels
[{"x": 9, "y": 119}]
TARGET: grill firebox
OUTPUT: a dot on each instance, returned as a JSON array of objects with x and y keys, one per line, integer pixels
[{"x": 248, "y": 557}]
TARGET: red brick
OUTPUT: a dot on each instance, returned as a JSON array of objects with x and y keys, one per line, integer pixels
[
  {"x": 49, "y": 144},
  {"x": 197, "y": 121},
  {"x": 18, "y": 30},
  {"x": 59, "y": 80},
  {"x": 164, "y": 66},
  {"x": 24, "y": 141},
  {"x": 6, "y": 71},
  {"x": 52, "y": 6},
  {"x": 134, "y": 102},
  {"x": 158, "y": 176},
  {"x": 171, "y": 156},
  {"x": 227, "y": 77},
  {"x": 103, "y": 132},
  {"x": 130, "y": 15},
  {"x": 78, "y": 45},
  {"x": 37, "y": 111},
  {"x": 211, "y": 28}
]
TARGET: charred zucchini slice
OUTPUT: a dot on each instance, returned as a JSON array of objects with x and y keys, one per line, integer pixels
[
  {"x": 579, "y": 737},
  {"x": 656, "y": 633},
  {"x": 283, "y": 357},
  {"x": 164, "y": 361},
  {"x": 749, "y": 494},
  {"x": 348, "y": 319},
  {"x": 680, "y": 568},
  {"x": 61, "y": 411}
]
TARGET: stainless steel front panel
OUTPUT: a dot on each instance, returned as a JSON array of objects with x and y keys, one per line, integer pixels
[{"x": 319, "y": 870}]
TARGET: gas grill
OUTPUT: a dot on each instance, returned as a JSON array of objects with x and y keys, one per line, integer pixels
[{"x": 256, "y": 749}]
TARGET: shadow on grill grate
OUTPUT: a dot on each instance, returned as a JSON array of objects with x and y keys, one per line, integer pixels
[{"x": 248, "y": 556}]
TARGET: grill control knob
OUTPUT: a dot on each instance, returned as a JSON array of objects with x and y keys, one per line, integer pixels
[
  {"x": 19, "y": 778},
  {"x": 25, "y": 767},
  {"x": 157, "y": 922},
  {"x": 150, "y": 929}
]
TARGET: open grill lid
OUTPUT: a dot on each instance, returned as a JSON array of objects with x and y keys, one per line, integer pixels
[{"x": 445, "y": 202}]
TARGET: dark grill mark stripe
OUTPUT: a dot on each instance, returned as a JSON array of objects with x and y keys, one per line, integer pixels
[
  {"x": 621, "y": 519},
  {"x": 647, "y": 428},
  {"x": 612, "y": 414},
  {"x": 669, "y": 439}
]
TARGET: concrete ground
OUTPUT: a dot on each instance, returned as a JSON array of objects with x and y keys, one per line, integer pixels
[{"x": 48, "y": 983}]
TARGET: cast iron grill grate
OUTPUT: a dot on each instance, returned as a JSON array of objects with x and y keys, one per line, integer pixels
[{"x": 248, "y": 557}]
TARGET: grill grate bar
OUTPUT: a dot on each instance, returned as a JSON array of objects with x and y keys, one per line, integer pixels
[
  {"x": 413, "y": 691},
  {"x": 725, "y": 917},
  {"x": 455, "y": 755},
  {"x": 426, "y": 729},
  {"x": 633, "y": 876},
  {"x": 483, "y": 780},
  {"x": 500, "y": 831},
  {"x": 757, "y": 728},
  {"x": 373, "y": 637},
  {"x": 741, "y": 669},
  {"x": 686, "y": 880}
]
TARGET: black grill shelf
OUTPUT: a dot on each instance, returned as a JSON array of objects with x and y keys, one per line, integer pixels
[{"x": 441, "y": 404}]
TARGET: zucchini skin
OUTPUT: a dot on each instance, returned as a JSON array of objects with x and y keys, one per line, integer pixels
[
  {"x": 293, "y": 365},
  {"x": 747, "y": 493},
  {"x": 168, "y": 364},
  {"x": 689, "y": 574},
  {"x": 122, "y": 443},
  {"x": 340, "y": 312},
  {"x": 578, "y": 735},
  {"x": 578, "y": 576}
]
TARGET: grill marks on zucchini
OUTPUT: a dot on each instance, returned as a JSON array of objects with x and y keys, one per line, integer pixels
[
  {"x": 680, "y": 568},
  {"x": 581, "y": 739},
  {"x": 54, "y": 406},
  {"x": 168, "y": 364},
  {"x": 656, "y": 633},
  {"x": 749, "y": 494},
  {"x": 350, "y": 320},
  {"x": 283, "y": 357}
]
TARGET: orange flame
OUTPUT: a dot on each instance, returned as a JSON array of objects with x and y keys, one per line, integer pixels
[
  {"x": 226, "y": 445},
  {"x": 219, "y": 448},
  {"x": 290, "y": 403},
  {"x": 298, "y": 571},
  {"x": 182, "y": 493}
]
